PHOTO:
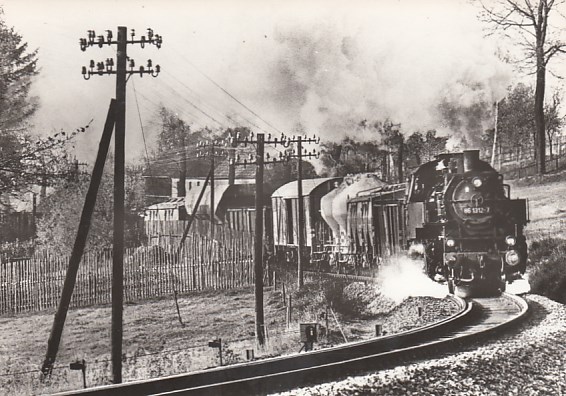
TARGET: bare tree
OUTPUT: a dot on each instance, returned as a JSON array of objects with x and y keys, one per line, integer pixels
[{"x": 530, "y": 21}]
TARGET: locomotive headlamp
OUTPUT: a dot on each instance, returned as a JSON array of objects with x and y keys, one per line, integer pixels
[
  {"x": 510, "y": 240},
  {"x": 450, "y": 242},
  {"x": 512, "y": 257},
  {"x": 477, "y": 182}
]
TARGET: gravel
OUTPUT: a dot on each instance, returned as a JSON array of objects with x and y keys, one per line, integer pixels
[
  {"x": 529, "y": 360},
  {"x": 371, "y": 307}
]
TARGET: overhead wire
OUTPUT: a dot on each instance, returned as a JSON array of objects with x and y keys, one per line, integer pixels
[
  {"x": 232, "y": 120},
  {"x": 141, "y": 127},
  {"x": 228, "y": 93}
]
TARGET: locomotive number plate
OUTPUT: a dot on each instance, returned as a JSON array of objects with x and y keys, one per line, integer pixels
[{"x": 477, "y": 210}]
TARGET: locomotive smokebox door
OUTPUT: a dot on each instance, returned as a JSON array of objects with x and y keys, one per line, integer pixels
[{"x": 309, "y": 332}]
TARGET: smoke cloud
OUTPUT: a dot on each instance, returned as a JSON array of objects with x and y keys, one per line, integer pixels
[{"x": 329, "y": 76}]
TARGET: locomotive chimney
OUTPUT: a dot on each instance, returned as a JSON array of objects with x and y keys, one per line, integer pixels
[{"x": 471, "y": 159}]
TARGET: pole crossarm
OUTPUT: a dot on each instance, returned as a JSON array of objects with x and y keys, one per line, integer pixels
[
  {"x": 212, "y": 148},
  {"x": 92, "y": 39},
  {"x": 107, "y": 66}
]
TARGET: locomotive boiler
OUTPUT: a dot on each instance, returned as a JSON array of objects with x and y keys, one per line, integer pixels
[{"x": 461, "y": 212}]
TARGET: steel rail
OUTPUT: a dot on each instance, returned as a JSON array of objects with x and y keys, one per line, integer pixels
[{"x": 476, "y": 318}]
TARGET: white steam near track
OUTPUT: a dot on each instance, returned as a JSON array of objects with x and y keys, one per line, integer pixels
[{"x": 401, "y": 277}]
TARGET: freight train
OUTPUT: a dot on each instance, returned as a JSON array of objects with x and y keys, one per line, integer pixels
[{"x": 455, "y": 210}]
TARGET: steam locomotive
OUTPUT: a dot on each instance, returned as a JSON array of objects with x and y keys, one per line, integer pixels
[
  {"x": 456, "y": 210},
  {"x": 460, "y": 210}
]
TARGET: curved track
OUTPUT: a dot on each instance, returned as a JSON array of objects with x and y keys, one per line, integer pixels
[{"x": 477, "y": 318}]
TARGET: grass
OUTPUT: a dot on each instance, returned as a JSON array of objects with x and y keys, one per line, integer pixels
[
  {"x": 546, "y": 203},
  {"x": 155, "y": 343},
  {"x": 546, "y": 233}
]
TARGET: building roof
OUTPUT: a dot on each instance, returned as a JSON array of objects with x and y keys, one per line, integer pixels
[
  {"x": 196, "y": 168},
  {"x": 289, "y": 190},
  {"x": 172, "y": 203}
]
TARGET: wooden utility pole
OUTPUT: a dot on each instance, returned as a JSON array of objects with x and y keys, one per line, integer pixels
[
  {"x": 496, "y": 106},
  {"x": 301, "y": 208},
  {"x": 300, "y": 201},
  {"x": 258, "y": 242},
  {"x": 259, "y": 162},
  {"x": 210, "y": 150},
  {"x": 119, "y": 164},
  {"x": 119, "y": 195},
  {"x": 79, "y": 245}
]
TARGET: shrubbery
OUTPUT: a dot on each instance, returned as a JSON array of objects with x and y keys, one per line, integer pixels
[{"x": 547, "y": 268}]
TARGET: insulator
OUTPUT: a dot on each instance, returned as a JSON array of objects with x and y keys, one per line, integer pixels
[
  {"x": 84, "y": 70},
  {"x": 150, "y": 33},
  {"x": 132, "y": 63},
  {"x": 100, "y": 41},
  {"x": 92, "y": 64},
  {"x": 305, "y": 151},
  {"x": 269, "y": 136},
  {"x": 142, "y": 69},
  {"x": 149, "y": 63},
  {"x": 133, "y": 33},
  {"x": 109, "y": 35},
  {"x": 267, "y": 156}
]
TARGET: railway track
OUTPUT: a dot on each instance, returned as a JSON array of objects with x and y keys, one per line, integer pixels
[{"x": 477, "y": 319}]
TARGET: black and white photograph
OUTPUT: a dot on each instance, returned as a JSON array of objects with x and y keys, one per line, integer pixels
[{"x": 267, "y": 197}]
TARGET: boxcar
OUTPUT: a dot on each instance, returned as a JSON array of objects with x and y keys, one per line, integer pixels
[{"x": 285, "y": 209}]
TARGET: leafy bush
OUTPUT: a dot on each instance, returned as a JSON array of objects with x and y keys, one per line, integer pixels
[{"x": 547, "y": 268}]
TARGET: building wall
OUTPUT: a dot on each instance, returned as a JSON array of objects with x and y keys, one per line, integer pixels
[{"x": 191, "y": 183}]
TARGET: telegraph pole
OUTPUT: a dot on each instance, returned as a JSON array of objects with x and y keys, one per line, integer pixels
[
  {"x": 259, "y": 162},
  {"x": 118, "y": 241},
  {"x": 211, "y": 152},
  {"x": 301, "y": 203},
  {"x": 119, "y": 165},
  {"x": 301, "y": 219},
  {"x": 258, "y": 242}
]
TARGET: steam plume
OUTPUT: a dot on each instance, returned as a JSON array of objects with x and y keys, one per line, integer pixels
[{"x": 332, "y": 75}]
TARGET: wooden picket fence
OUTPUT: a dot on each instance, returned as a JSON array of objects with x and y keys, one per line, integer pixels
[{"x": 34, "y": 284}]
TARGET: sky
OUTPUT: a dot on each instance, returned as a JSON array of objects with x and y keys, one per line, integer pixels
[{"x": 274, "y": 66}]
